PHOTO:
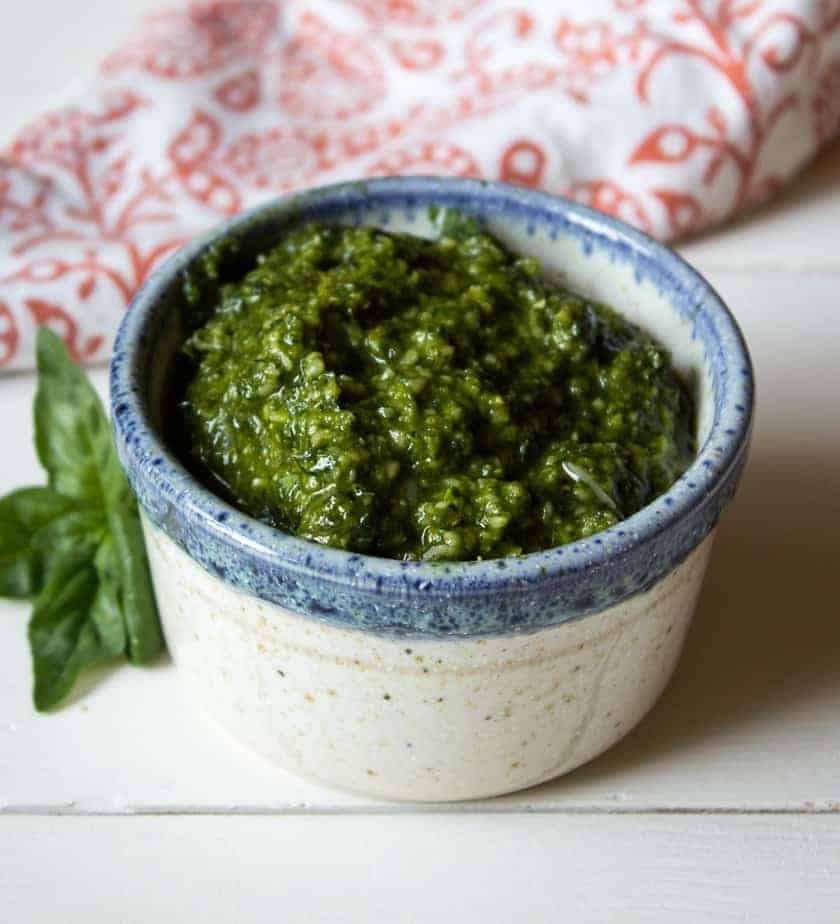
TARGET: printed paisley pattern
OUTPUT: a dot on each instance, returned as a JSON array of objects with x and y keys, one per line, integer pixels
[{"x": 217, "y": 106}]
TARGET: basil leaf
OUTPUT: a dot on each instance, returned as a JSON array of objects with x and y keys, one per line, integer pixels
[
  {"x": 62, "y": 636},
  {"x": 145, "y": 639},
  {"x": 77, "y": 532},
  {"x": 86, "y": 462},
  {"x": 72, "y": 433},
  {"x": 106, "y": 612},
  {"x": 115, "y": 485},
  {"x": 22, "y": 514},
  {"x": 76, "y": 544}
]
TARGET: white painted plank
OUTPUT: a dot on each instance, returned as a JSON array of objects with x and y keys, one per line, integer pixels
[
  {"x": 768, "y": 870},
  {"x": 752, "y": 718}
]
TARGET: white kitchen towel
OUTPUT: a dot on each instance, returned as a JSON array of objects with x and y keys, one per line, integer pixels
[{"x": 672, "y": 114}]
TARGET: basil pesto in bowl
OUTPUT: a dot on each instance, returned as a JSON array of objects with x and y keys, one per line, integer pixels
[
  {"x": 432, "y": 399},
  {"x": 426, "y": 518}
]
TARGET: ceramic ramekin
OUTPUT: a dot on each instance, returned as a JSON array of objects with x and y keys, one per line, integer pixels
[{"x": 428, "y": 681}]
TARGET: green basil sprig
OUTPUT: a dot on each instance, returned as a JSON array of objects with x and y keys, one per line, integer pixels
[{"x": 75, "y": 546}]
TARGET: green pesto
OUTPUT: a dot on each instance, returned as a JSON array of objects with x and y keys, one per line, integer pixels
[{"x": 433, "y": 399}]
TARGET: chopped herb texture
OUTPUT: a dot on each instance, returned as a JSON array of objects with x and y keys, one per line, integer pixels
[{"x": 427, "y": 399}]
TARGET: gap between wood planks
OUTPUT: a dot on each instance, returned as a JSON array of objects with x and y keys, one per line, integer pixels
[{"x": 478, "y": 808}]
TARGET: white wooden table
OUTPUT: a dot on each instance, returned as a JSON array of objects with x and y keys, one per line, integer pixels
[{"x": 128, "y": 805}]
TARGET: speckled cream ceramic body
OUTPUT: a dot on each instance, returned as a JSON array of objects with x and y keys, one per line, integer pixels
[
  {"x": 411, "y": 680},
  {"x": 420, "y": 719}
]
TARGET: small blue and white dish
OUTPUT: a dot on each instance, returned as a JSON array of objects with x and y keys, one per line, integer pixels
[{"x": 411, "y": 680}]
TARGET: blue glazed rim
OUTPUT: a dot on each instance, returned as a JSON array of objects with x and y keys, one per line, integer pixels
[{"x": 418, "y": 598}]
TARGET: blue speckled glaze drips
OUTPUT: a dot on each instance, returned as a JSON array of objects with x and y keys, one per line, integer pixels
[{"x": 417, "y": 598}]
